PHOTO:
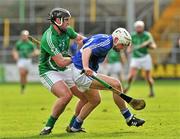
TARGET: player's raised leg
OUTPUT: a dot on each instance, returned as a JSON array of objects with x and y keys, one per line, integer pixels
[{"x": 129, "y": 117}]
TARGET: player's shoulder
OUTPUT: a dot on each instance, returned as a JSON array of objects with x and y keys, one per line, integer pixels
[
  {"x": 100, "y": 37},
  {"x": 104, "y": 39},
  {"x": 147, "y": 33},
  {"x": 48, "y": 36},
  {"x": 30, "y": 43},
  {"x": 71, "y": 32},
  {"x": 133, "y": 34},
  {"x": 19, "y": 42},
  {"x": 44, "y": 36},
  {"x": 69, "y": 28}
]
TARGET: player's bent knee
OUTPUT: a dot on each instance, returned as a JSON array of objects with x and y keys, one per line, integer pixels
[
  {"x": 84, "y": 101},
  {"x": 96, "y": 101},
  {"x": 66, "y": 99}
]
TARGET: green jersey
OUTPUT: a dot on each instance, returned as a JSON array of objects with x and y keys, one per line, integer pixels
[
  {"x": 137, "y": 40},
  {"x": 24, "y": 48},
  {"x": 113, "y": 56},
  {"x": 52, "y": 44}
]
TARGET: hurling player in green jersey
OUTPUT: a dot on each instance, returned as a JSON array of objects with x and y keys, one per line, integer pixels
[
  {"x": 53, "y": 71},
  {"x": 141, "y": 59},
  {"x": 115, "y": 64},
  {"x": 22, "y": 53}
]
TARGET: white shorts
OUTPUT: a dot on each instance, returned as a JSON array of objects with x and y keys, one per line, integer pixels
[
  {"x": 142, "y": 63},
  {"x": 114, "y": 68},
  {"x": 51, "y": 77},
  {"x": 82, "y": 81},
  {"x": 24, "y": 63},
  {"x": 103, "y": 68}
]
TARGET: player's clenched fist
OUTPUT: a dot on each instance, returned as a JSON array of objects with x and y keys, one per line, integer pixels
[{"x": 88, "y": 71}]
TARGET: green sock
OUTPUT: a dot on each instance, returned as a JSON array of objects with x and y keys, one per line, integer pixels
[
  {"x": 151, "y": 89},
  {"x": 22, "y": 87},
  {"x": 72, "y": 120},
  {"x": 51, "y": 121}
]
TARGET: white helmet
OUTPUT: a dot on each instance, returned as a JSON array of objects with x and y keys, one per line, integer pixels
[
  {"x": 123, "y": 36},
  {"x": 139, "y": 24},
  {"x": 25, "y": 32}
]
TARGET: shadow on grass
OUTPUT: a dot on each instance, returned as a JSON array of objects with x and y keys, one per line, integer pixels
[
  {"x": 112, "y": 134},
  {"x": 77, "y": 135},
  {"x": 61, "y": 135}
]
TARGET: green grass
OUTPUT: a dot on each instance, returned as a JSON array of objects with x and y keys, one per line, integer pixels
[{"x": 23, "y": 116}]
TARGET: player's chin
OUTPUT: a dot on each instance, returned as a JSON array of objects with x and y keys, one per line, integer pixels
[{"x": 116, "y": 49}]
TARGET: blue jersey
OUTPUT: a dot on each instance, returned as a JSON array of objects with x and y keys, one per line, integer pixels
[{"x": 100, "y": 45}]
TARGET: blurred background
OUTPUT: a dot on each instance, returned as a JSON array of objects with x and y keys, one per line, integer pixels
[{"x": 161, "y": 17}]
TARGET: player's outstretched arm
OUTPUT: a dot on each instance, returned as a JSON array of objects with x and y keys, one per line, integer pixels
[
  {"x": 79, "y": 40},
  {"x": 153, "y": 45},
  {"x": 61, "y": 61}
]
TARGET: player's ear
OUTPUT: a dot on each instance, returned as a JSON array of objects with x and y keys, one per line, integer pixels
[
  {"x": 57, "y": 20},
  {"x": 115, "y": 40}
]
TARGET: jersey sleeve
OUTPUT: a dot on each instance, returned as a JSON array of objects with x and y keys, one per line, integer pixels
[
  {"x": 150, "y": 37},
  {"x": 17, "y": 45},
  {"x": 72, "y": 34},
  {"x": 33, "y": 45},
  {"x": 50, "y": 45}
]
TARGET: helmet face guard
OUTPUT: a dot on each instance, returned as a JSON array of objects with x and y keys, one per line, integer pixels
[{"x": 61, "y": 14}]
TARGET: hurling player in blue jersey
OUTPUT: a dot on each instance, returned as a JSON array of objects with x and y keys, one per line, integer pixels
[{"x": 92, "y": 53}]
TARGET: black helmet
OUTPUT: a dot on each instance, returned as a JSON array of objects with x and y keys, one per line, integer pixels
[{"x": 59, "y": 13}]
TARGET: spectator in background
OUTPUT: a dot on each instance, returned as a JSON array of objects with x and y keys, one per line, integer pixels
[
  {"x": 22, "y": 53},
  {"x": 141, "y": 59}
]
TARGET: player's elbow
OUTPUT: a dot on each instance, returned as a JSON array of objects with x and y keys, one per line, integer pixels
[
  {"x": 153, "y": 46},
  {"x": 61, "y": 61},
  {"x": 61, "y": 64}
]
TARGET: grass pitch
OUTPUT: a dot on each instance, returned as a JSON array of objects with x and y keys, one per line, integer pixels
[{"x": 23, "y": 116}]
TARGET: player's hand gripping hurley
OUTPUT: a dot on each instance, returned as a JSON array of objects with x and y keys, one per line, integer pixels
[{"x": 136, "y": 104}]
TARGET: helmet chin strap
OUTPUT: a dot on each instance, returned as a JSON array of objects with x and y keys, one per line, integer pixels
[{"x": 58, "y": 25}]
